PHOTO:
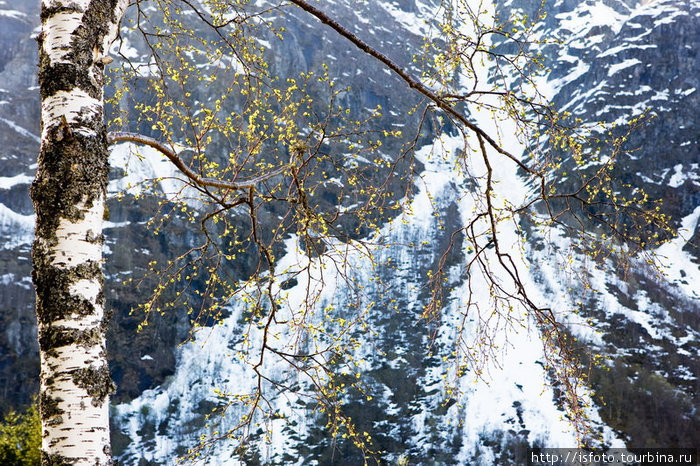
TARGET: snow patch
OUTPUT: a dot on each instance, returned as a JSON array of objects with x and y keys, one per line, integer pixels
[
  {"x": 20, "y": 226},
  {"x": 415, "y": 24},
  {"x": 683, "y": 271},
  {"x": 144, "y": 165},
  {"x": 15, "y": 14},
  {"x": 622, "y": 65},
  {"x": 7, "y": 182},
  {"x": 680, "y": 176},
  {"x": 20, "y": 130}
]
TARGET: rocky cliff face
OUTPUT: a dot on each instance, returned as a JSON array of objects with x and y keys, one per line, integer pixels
[
  {"x": 642, "y": 58},
  {"x": 616, "y": 59},
  {"x": 19, "y": 127}
]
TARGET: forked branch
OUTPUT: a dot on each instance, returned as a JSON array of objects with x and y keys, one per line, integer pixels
[{"x": 118, "y": 136}]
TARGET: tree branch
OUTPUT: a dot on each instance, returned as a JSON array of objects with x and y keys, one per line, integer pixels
[
  {"x": 118, "y": 136},
  {"x": 410, "y": 80}
]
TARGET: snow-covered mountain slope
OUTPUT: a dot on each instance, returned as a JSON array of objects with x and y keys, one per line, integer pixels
[
  {"x": 19, "y": 130},
  {"x": 414, "y": 404},
  {"x": 636, "y": 320},
  {"x": 617, "y": 60}
]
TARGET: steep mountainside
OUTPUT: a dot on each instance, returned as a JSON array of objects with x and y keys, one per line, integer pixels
[
  {"x": 608, "y": 60},
  {"x": 616, "y": 61},
  {"x": 19, "y": 129}
]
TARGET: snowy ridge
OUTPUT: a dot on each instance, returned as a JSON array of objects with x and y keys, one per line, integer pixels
[
  {"x": 12, "y": 13},
  {"x": 7, "y": 182},
  {"x": 512, "y": 391},
  {"x": 22, "y": 131},
  {"x": 416, "y": 23},
  {"x": 682, "y": 270},
  {"x": 658, "y": 324}
]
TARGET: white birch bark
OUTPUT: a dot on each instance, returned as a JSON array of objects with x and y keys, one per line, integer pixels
[{"x": 69, "y": 199}]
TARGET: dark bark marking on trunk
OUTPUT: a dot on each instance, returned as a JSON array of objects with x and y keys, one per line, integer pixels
[
  {"x": 47, "y": 12},
  {"x": 96, "y": 381},
  {"x": 49, "y": 406},
  {"x": 54, "y": 460},
  {"x": 82, "y": 71},
  {"x": 75, "y": 166},
  {"x": 67, "y": 76},
  {"x": 54, "y": 284},
  {"x": 72, "y": 169},
  {"x": 58, "y": 337}
]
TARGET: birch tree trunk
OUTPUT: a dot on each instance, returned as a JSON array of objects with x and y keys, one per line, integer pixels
[{"x": 69, "y": 200}]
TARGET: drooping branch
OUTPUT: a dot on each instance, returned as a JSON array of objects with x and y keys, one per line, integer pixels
[
  {"x": 175, "y": 159},
  {"x": 411, "y": 81}
]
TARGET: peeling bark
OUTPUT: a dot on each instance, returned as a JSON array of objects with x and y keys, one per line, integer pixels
[{"x": 69, "y": 200}]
